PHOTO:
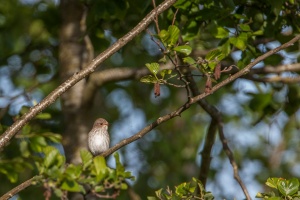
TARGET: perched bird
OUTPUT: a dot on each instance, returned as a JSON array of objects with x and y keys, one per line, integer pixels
[{"x": 98, "y": 138}]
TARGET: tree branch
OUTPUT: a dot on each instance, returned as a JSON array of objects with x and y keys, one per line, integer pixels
[
  {"x": 232, "y": 162},
  {"x": 19, "y": 188},
  {"x": 206, "y": 152},
  {"x": 210, "y": 109},
  {"x": 295, "y": 67},
  {"x": 12, "y": 130},
  {"x": 287, "y": 80}
]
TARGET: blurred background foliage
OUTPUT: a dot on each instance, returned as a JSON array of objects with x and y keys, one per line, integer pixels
[{"x": 261, "y": 118}]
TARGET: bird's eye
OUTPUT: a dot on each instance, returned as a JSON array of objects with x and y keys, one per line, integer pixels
[{"x": 101, "y": 123}]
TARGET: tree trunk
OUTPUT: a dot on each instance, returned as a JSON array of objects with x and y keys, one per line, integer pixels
[{"x": 74, "y": 54}]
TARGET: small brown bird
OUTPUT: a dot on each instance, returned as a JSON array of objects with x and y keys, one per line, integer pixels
[{"x": 98, "y": 138}]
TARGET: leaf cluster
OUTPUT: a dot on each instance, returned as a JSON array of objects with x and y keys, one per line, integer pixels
[{"x": 282, "y": 189}]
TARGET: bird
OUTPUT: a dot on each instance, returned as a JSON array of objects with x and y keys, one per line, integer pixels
[{"x": 98, "y": 137}]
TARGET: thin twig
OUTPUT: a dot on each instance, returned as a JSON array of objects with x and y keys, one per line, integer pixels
[
  {"x": 156, "y": 18},
  {"x": 232, "y": 162},
  {"x": 174, "y": 17}
]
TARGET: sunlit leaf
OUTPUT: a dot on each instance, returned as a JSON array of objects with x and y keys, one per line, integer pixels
[
  {"x": 86, "y": 157},
  {"x": 240, "y": 42},
  {"x": 221, "y": 32},
  {"x": 73, "y": 171},
  {"x": 174, "y": 34},
  {"x": 189, "y": 60},
  {"x": 272, "y": 182},
  {"x": 100, "y": 164},
  {"x": 72, "y": 186},
  {"x": 43, "y": 116},
  {"x": 288, "y": 187},
  {"x": 185, "y": 49},
  {"x": 164, "y": 35},
  {"x": 153, "y": 67},
  {"x": 215, "y": 54},
  {"x": 148, "y": 79},
  {"x": 50, "y": 156},
  {"x": 165, "y": 72}
]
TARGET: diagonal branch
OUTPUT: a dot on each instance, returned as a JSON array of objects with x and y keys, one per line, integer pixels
[
  {"x": 198, "y": 98},
  {"x": 232, "y": 162},
  {"x": 19, "y": 188},
  {"x": 12, "y": 130}
]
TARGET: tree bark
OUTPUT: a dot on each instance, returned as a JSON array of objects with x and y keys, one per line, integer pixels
[{"x": 73, "y": 56}]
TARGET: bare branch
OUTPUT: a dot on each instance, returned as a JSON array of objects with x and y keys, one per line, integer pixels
[
  {"x": 232, "y": 162},
  {"x": 19, "y": 188},
  {"x": 287, "y": 80},
  {"x": 206, "y": 152},
  {"x": 295, "y": 67},
  {"x": 12, "y": 130}
]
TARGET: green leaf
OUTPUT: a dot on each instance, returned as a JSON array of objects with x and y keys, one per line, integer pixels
[
  {"x": 165, "y": 72},
  {"x": 244, "y": 27},
  {"x": 24, "y": 149},
  {"x": 86, "y": 157},
  {"x": 26, "y": 129},
  {"x": 119, "y": 166},
  {"x": 226, "y": 48},
  {"x": 185, "y": 49},
  {"x": 149, "y": 79},
  {"x": 240, "y": 42},
  {"x": 100, "y": 164},
  {"x": 72, "y": 186},
  {"x": 153, "y": 68},
  {"x": 215, "y": 54},
  {"x": 158, "y": 192},
  {"x": 124, "y": 186},
  {"x": 151, "y": 198},
  {"x": 272, "y": 182},
  {"x": 288, "y": 187},
  {"x": 174, "y": 34},
  {"x": 221, "y": 33},
  {"x": 37, "y": 143},
  {"x": 99, "y": 188},
  {"x": 239, "y": 16},
  {"x": 73, "y": 171},
  {"x": 56, "y": 138},
  {"x": 52, "y": 157},
  {"x": 43, "y": 116},
  {"x": 164, "y": 36},
  {"x": 163, "y": 60},
  {"x": 189, "y": 60},
  {"x": 183, "y": 4},
  {"x": 259, "y": 32}
]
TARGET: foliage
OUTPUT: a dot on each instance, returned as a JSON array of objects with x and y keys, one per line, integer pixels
[
  {"x": 190, "y": 190},
  {"x": 59, "y": 177},
  {"x": 204, "y": 37},
  {"x": 284, "y": 189}
]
